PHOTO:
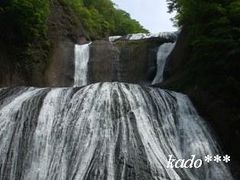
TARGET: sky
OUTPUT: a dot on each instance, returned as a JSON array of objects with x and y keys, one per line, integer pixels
[{"x": 152, "y": 14}]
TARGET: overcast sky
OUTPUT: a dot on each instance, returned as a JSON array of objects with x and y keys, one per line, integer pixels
[{"x": 152, "y": 14}]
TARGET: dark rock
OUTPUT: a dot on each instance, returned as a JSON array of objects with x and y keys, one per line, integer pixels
[
  {"x": 124, "y": 61},
  {"x": 10, "y": 74},
  {"x": 103, "y": 62},
  {"x": 137, "y": 62},
  {"x": 61, "y": 69},
  {"x": 178, "y": 56}
]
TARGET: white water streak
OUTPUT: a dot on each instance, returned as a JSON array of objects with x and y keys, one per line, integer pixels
[
  {"x": 162, "y": 55},
  {"x": 81, "y": 65}
]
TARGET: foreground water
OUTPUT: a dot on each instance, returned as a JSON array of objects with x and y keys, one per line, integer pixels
[{"x": 102, "y": 131}]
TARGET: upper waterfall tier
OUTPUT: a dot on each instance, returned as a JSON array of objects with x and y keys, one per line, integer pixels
[
  {"x": 103, "y": 131},
  {"x": 140, "y": 36}
]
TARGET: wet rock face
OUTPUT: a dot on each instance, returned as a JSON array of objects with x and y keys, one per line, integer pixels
[
  {"x": 137, "y": 61},
  {"x": 10, "y": 74},
  {"x": 179, "y": 56},
  {"x": 124, "y": 61},
  {"x": 61, "y": 68},
  {"x": 103, "y": 62}
]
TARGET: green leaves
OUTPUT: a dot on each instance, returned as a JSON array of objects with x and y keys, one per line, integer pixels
[
  {"x": 101, "y": 19},
  {"x": 25, "y": 19},
  {"x": 216, "y": 20}
]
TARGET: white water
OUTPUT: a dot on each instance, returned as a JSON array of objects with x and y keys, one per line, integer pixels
[
  {"x": 81, "y": 64},
  {"x": 108, "y": 131},
  {"x": 114, "y": 38},
  {"x": 162, "y": 55},
  {"x": 141, "y": 36}
]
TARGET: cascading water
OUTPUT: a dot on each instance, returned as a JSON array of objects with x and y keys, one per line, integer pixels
[
  {"x": 162, "y": 55},
  {"x": 114, "y": 38},
  {"x": 103, "y": 131},
  {"x": 165, "y": 35},
  {"x": 81, "y": 64},
  {"x": 140, "y": 36}
]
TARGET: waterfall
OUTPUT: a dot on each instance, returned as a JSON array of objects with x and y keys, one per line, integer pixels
[
  {"x": 114, "y": 38},
  {"x": 104, "y": 131},
  {"x": 162, "y": 55},
  {"x": 171, "y": 36},
  {"x": 81, "y": 64},
  {"x": 139, "y": 36}
]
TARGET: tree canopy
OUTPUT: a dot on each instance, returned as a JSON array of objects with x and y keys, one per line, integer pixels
[
  {"x": 100, "y": 18},
  {"x": 27, "y": 19},
  {"x": 214, "y": 27}
]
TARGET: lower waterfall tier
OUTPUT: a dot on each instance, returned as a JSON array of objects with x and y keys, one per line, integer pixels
[{"x": 104, "y": 131}]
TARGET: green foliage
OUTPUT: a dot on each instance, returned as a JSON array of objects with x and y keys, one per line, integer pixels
[
  {"x": 100, "y": 18},
  {"x": 23, "y": 31},
  {"x": 24, "y": 21},
  {"x": 204, "y": 17},
  {"x": 214, "y": 29}
]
